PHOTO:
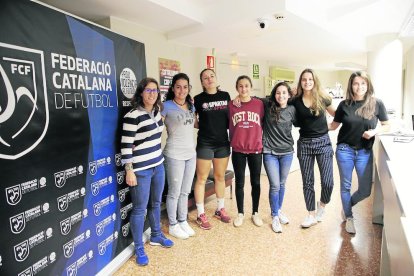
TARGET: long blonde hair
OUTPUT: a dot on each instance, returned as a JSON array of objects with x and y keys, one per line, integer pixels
[
  {"x": 319, "y": 97},
  {"x": 367, "y": 110}
]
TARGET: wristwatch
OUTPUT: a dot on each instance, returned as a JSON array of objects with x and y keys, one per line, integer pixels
[{"x": 128, "y": 167}]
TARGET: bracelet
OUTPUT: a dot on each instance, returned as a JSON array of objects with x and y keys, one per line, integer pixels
[{"x": 128, "y": 167}]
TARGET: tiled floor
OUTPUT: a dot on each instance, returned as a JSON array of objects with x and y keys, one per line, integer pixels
[{"x": 324, "y": 249}]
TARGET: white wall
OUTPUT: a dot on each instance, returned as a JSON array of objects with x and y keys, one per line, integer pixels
[{"x": 408, "y": 94}]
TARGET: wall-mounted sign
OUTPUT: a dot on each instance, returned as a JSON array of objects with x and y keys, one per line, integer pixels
[
  {"x": 168, "y": 68},
  {"x": 210, "y": 62},
  {"x": 255, "y": 71}
]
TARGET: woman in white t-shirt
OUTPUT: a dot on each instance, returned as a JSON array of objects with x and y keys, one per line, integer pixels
[{"x": 179, "y": 153}]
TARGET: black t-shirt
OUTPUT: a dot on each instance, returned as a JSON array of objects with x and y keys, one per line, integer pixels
[
  {"x": 311, "y": 126},
  {"x": 213, "y": 118},
  {"x": 353, "y": 126}
]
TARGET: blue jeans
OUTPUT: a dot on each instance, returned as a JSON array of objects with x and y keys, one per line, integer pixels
[
  {"x": 180, "y": 175},
  {"x": 147, "y": 195},
  {"x": 348, "y": 159},
  {"x": 277, "y": 168}
]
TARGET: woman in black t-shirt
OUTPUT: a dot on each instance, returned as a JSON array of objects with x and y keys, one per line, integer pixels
[
  {"x": 213, "y": 144},
  {"x": 359, "y": 114},
  {"x": 314, "y": 143}
]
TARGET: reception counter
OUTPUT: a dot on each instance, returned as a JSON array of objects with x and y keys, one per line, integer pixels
[{"x": 394, "y": 203}]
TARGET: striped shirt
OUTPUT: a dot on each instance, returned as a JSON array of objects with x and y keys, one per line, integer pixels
[{"x": 141, "y": 139}]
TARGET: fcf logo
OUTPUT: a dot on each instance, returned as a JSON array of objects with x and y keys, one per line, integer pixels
[
  {"x": 24, "y": 113},
  {"x": 17, "y": 223},
  {"x": 21, "y": 251},
  {"x": 13, "y": 194}
]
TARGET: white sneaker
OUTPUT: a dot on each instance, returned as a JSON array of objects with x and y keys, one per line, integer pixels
[
  {"x": 257, "y": 220},
  {"x": 187, "y": 228},
  {"x": 176, "y": 231},
  {"x": 319, "y": 212},
  {"x": 282, "y": 218},
  {"x": 309, "y": 221},
  {"x": 239, "y": 220},
  {"x": 276, "y": 226},
  {"x": 349, "y": 226}
]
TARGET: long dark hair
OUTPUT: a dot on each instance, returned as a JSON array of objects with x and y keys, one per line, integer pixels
[
  {"x": 367, "y": 110},
  {"x": 137, "y": 101},
  {"x": 170, "y": 93},
  {"x": 275, "y": 108}
]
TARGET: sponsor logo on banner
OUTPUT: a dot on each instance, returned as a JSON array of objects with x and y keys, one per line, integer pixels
[
  {"x": 72, "y": 269},
  {"x": 97, "y": 185},
  {"x": 38, "y": 266},
  {"x": 122, "y": 193},
  {"x": 124, "y": 210},
  {"x": 62, "y": 176},
  {"x": 96, "y": 164},
  {"x": 18, "y": 222},
  {"x": 120, "y": 176},
  {"x": 66, "y": 224},
  {"x": 128, "y": 83},
  {"x": 118, "y": 159},
  {"x": 22, "y": 71},
  {"x": 22, "y": 250},
  {"x": 97, "y": 207},
  {"x": 125, "y": 229},
  {"x": 104, "y": 244},
  {"x": 15, "y": 193},
  {"x": 69, "y": 247},
  {"x": 64, "y": 201},
  {"x": 100, "y": 226}
]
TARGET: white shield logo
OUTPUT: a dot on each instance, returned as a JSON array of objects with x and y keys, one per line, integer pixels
[
  {"x": 100, "y": 229},
  {"x": 121, "y": 195},
  {"x": 120, "y": 177},
  {"x": 65, "y": 226},
  {"x": 13, "y": 194},
  {"x": 22, "y": 74},
  {"x": 125, "y": 230},
  {"x": 118, "y": 158},
  {"x": 27, "y": 272},
  {"x": 60, "y": 179},
  {"x": 68, "y": 249},
  {"x": 21, "y": 251},
  {"x": 95, "y": 188},
  {"x": 17, "y": 223},
  {"x": 97, "y": 209},
  {"x": 102, "y": 248},
  {"x": 71, "y": 270},
  {"x": 92, "y": 167},
  {"x": 123, "y": 213},
  {"x": 62, "y": 203}
]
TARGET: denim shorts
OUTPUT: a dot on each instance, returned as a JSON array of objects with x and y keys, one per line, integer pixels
[{"x": 208, "y": 153}]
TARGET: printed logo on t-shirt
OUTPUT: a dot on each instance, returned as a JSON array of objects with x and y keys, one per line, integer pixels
[
  {"x": 245, "y": 117},
  {"x": 217, "y": 105}
]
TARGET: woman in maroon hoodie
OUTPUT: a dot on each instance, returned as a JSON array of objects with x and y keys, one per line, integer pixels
[{"x": 245, "y": 125}]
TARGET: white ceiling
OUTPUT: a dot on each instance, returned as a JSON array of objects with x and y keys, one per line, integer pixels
[{"x": 316, "y": 33}]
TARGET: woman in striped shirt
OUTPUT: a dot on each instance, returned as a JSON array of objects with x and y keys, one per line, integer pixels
[{"x": 143, "y": 159}]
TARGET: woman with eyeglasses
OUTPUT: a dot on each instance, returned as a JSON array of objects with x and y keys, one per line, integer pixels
[
  {"x": 213, "y": 145},
  {"x": 179, "y": 152},
  {"x": 143, "y": 160}
]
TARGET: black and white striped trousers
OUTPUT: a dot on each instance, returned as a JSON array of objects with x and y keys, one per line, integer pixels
[{"x": 309, "y": 149}]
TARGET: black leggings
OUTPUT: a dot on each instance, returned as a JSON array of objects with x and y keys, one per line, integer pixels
[{"x": 254, "y": 161}]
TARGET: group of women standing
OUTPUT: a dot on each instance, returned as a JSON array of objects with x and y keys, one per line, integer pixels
[{"x": 259, "y": 128}]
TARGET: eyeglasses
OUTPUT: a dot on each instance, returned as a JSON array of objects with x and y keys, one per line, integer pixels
[{"x": 154, "y": 91}]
